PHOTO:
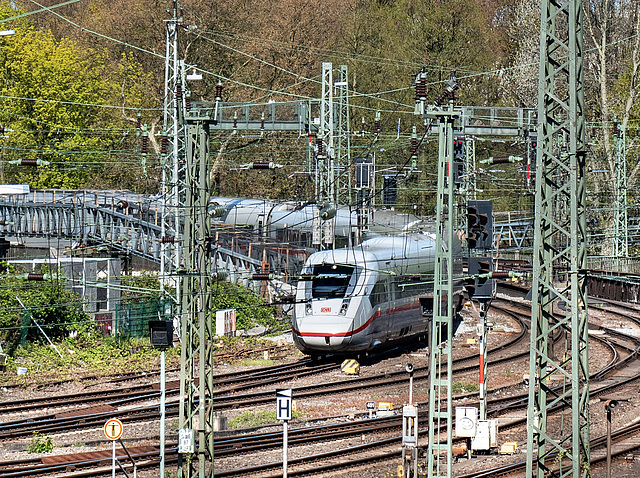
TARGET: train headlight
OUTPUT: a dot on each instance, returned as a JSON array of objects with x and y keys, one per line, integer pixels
[
  {"x": 344, "y": 306},
  {"x": 308, "y": 309}
]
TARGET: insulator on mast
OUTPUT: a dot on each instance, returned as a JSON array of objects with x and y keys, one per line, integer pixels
[
  {"x": 34, "y": 277},
  {"x": 30, "y": 162},
  {"x": 414, "y": 143},
  {"x": 164, "y": 144},
  {"x": 262, "y": 276},
  {"x": 421, "y": 85},
  {"x": 263, "y": 165},
  {"x": 376, "y": 123},
  {"x": 144, "y": 142},
  {"x": 219, "y": 88},
  {"x": 320, "y": 145},
  {"x": 178, "y": 95}
]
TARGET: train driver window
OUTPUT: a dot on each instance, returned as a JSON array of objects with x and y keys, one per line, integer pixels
[{"x": 330, "y": 280}]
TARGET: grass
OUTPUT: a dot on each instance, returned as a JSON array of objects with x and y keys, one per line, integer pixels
[
  {"x": 97, "y": 355},
  {"x": 254, "y": 362},
  {"x": 254, "y": 419},
  {"x": 464, "y": 387}
]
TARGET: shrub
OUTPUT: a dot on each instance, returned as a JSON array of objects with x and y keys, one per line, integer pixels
[{"x": 40, "y": 444}]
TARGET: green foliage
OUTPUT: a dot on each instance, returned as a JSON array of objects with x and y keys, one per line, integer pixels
[
  {"x": 254, "y": 419},
  {"x": 251, "y": 308},
  {"x": 53, "y": 92},
  {"x": 90, "y": 354},
  {"x": 40, "y": 443},
  {"x": 255, "y": 362},
  {"x": 55, "y": 309},
  {"x": 141, "y": 287},
  {"x": 464, "y": 387}
]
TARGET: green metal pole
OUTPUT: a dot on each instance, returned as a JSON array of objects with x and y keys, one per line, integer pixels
[{"x": 440, "y": 450}]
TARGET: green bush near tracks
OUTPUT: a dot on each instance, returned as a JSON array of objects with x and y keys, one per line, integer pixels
[
  {"x": 464, "y": 387},
  {"x": 40, "y": 443},
  {"x": 83, "y": 356},
  {"x": 254, "y": 419}
]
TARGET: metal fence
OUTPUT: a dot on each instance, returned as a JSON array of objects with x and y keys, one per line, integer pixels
[{"x": 132, "y": 318}]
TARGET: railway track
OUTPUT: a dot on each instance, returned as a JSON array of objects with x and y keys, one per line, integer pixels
[
  {"x": 629, "y": 344},
  {"x": 366, "y": 452}
]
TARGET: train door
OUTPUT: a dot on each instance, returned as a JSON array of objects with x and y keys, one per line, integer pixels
[{"x": 379, "y": 303}]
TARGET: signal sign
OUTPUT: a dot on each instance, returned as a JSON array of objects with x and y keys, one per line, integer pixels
[
  {"x": 283, "y": 404},
  {"x": 113, "y": 429}
]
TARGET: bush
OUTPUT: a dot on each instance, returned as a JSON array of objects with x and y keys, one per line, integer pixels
[
  {"x": 250, "y": 307},
  {"x": 40, "y": 444}
]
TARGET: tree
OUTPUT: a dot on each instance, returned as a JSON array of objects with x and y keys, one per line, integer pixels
[{"x": 58, "y": 107}]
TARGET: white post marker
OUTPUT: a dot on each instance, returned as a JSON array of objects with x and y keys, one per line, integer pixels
[
  {"x": 283, "y": 412},
  {"x": 113, "y": 431}
]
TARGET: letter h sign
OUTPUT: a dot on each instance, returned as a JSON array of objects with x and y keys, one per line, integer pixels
[{"x": 283, "y": 404}]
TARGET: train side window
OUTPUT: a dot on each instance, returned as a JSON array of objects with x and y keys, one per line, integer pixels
[{"x": 379, "y": 293}]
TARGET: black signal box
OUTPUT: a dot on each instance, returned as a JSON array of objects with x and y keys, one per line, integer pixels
[
  {"x": 480, "y": 224},
  {"x": 161, "y": 333}
]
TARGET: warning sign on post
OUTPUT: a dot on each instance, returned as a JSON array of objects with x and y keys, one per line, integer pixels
[
  {"x": 113, "y": 429},
  {"x": 185, "y": 440},
  {"x": 283, "y": 404}
]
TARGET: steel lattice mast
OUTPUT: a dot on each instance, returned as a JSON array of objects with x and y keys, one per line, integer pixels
[
  {"x": 196, "y": 377},
  {"x": 325, "y": 171},
  {"x": 560, "y": 243},
  {"x": 173, "y": 167},
  {"x": 343, "y": 139},
  {"x": 440, "y": 452}
]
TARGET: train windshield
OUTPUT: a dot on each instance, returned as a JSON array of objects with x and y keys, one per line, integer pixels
[{"x": 332, "y": 280}]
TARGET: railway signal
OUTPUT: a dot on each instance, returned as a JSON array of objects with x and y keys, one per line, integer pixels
[
  {"x": 480, "y": 224},
  {"x": 480, "y": 269}
]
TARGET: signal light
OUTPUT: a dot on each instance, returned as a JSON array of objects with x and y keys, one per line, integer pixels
[
  {"x": 161, "y": 333},
  {"x": 389, "y": 191},
  {"x": 480, "y": 224},
  {"x": 458, "y": 148},
  {"x": 480, "y": 269}
]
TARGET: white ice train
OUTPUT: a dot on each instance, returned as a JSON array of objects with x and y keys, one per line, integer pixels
[{"x": 355, "y": 299}]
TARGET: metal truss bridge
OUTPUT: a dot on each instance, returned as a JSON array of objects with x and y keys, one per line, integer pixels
[{"x": 95, "y": 221}]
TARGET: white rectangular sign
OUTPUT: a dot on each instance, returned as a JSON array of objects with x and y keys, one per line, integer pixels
[
  {"x": 283, "y": 404},
  {"x": 226, "y": 322},
  {"x": 185, "y": 441}
]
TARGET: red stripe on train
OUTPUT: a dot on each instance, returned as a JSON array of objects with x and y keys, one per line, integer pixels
[{"x": 341, "y": 334}]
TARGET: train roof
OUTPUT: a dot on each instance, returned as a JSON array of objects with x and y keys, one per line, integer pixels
[{"x": 381, "y": 253}]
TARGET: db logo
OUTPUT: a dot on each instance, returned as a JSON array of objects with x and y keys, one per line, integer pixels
[{"x": 324, "y": 310}]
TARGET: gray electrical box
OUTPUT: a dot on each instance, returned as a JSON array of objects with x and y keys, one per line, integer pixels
[{"x": 486, "y": 435}]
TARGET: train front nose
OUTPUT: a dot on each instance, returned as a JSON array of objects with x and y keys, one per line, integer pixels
[{"x": 318, "y": 327}]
